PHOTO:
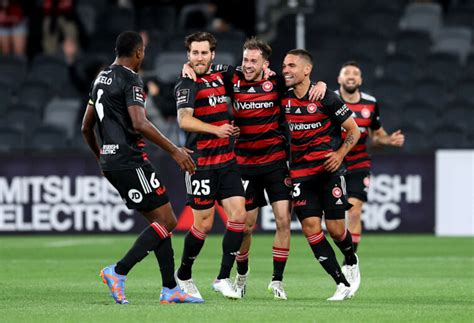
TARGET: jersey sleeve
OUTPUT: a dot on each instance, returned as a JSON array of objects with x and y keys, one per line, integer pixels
[
  {"x": 134, "y": 92},
  {"x": 376, "y": 124},
  {"x": 185, "y": 93},
  {"x": 91, "y": 100},
  {"x": 335, "y": 108}
]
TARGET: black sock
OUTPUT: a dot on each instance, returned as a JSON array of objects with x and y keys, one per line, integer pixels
[
  {"x": 327, "y": 258},
  {"x": 231, "y": 243},
  {"x": 242, "y": 260},
  {"x": 193, "y": 243},
  {"x": 165, "y": 256},
  {"x": 355, "y": 245},
  {"x": 280, "y": 256},
  {"x": 148, "y": 240},
  {"x": 346, "y": 247}
]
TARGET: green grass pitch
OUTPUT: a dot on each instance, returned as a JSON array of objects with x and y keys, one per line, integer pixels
[{"x": 405, "y": 278}]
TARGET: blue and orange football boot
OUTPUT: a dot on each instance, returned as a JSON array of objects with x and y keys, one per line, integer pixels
[
  {"x": 176, "y": 295},
  {"x": 116, "y": 284}
]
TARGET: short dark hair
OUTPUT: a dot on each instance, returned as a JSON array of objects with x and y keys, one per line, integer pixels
[
  {"x": 255, "y": 43},
  {"x": 198, "y": 37},
  {"x": 127, "y": 42},
  {"x": 302, "y": 53},
  {"x": 350, "y": 63}
]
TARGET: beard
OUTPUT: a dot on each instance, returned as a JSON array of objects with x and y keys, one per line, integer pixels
[
  {"x": 350, "y": 89},
  {"x": 201, "y": 70}
]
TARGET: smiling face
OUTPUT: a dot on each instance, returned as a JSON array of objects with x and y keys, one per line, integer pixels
[
  {"x": 350, "y": 78},
  {"x": 200, "y": 57},
  {"x": 253, "y": 64},
  {"x": 295, "y": 69}
]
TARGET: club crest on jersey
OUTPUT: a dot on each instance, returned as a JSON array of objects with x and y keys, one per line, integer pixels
[
  {"x": 337, "y": 192},
  {"x": 365, "y": 113},
  {"x": 367, "y": 181},
  {"x": 267, "y": 86},
  {"x": 312, "y": 107}
]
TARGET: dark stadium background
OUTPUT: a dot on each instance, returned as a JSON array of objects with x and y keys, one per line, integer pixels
[{"x": 417, "y": 59}]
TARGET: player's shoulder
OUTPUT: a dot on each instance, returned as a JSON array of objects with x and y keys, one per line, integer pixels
[
  {"x": 367, "y": 97},
  {"x": 184, "y": 82},
  {"x": 331, "y": 96}
]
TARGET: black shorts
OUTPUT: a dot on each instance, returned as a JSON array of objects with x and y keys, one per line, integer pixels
[
  {"x": 277, "y": 184},
  {"x": 323, "y": 194},
  {"x": 358, "y": 184},
  {"x": 140, "y": 188},
  {"x": 206, "y": 187}
]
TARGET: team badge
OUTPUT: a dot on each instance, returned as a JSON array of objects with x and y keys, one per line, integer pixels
[
  {"x": 366, "y": 181},
  {"x": 288, "y": 182},
  {"x": 336, "y": 192},
  {"x": 312, "y": 107},
  {"x": 267, "y": 86},
  {"x": 365, "y": 113}
]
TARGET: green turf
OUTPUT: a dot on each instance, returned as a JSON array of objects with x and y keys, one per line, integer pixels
[{"x": 404, "y": 278}]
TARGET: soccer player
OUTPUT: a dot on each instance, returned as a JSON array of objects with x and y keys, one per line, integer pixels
[
  {"x": 116, "y": 106},
  {"x": 366, "y": 114},
  {"x": 317, "y": 168},
  {"x": 203, "y": 115}
]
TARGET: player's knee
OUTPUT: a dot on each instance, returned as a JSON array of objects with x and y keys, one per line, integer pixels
[
  {"x": 170, "y": 223},
  {"x": 248, "y": 229},
  {"x": 239, "y": 215},
  {"x": 283, "y": 224},
  {"x": 337, "y": 234},
  {"x": 354, "y": 212}
]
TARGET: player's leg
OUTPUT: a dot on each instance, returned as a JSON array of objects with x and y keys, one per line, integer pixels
[
  {"x": 357, "y": 189},
  {"x": 354, "y": 220},
  {"x": 242, "y": 259}
]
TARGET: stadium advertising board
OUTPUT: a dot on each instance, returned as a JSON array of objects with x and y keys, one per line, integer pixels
[{"x": 67, "y": 194}]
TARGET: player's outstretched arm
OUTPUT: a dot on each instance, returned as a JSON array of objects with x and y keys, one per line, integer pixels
[
  {"x": 335, "y": 158},
  {"x": 189, "y": 123},
  {"x": 380, "y": 137},
  {"x": 88, "y": 123},
  {"x": 142, "y": 125}
]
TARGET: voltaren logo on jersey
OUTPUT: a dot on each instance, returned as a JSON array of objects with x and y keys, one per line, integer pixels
[
  {"x": 267, "y": 86},
  {"x": 214, "y": 100},
  {"x": 252, "y": 105},
  {"x": 304, "y": 126},
  {"x": 109, "y": 149}
]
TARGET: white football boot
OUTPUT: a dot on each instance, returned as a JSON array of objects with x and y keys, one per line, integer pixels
[
  {"x": 276, "y": 287},
  {"x": 188, "y": 286},
  {"x": 342, "y": 293},
  {"x": 352, "y": 274},
  {"x": 240, "y": 283},
  {"x": 224, "y": 286}
]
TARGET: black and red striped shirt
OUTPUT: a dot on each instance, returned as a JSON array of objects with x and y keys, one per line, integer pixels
[
  {"x": 315, "y": 131},
  {"x": 257, "y": 113},
  {"x": 366, "y": 115},
  {"x": 207, "y": 96}
]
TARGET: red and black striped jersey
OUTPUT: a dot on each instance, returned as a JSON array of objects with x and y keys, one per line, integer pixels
[
  {"x": 366, "y": 115},
  {"x": 207, "y": 96},
  {"x": 315, "y": 131},
  {"x": 257, "y": 113}
]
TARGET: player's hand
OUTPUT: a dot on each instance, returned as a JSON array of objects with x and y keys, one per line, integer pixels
[
  {"x": 188, "y": 72},
  {"x": 333, "y": 161},
  {"x": 397, "y": 138},
  {"x": 236, "y": 132},
  {"x": 316, "y": 92},
  {"x": 267, "y": 73},
  {"x": 182, "y": 156},
  {"x": 224, "y": 131}
]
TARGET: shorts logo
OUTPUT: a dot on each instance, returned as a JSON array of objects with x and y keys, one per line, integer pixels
[
  {"x": 299, "y": 203},
  {"x": 336, "y": 192},
  {"x": 267, "y": 86},
  {"x": 288, "y": 182},
  {"x": 366, "y": 181},
  {"x": 365, "y": 113},
  {"x": 312, "y": 108},
  {"x": 135, "y": 195}
]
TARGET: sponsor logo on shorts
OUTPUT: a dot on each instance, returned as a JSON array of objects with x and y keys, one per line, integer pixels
[
  {"x": 160, "y": 190},
  {"x": 249, "y": 201},
  {"x": 299, "y": 203},
  {"x": 267, "y": 86},
  {"x": 337, "y": 192},
  {"x": 135, "y": 195},
  {"x": 200, "y": 201}
]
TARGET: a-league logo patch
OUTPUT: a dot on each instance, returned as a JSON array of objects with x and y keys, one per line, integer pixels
[
  {"x": 267, "y": 86},
  {"x": 312, "y": 107},
  {"x": 182, "y": 96},
  {"x": 138, "y": 94},
  {"x": 135, "y": 195},
  {"x": 337, "y": 192}
]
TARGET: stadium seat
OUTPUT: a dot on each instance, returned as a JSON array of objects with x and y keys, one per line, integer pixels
[
  {"x": 444, "y": 67},
  {"x": 11, "y": 139},
  {"x": 157, "y": 17},
  {"x": 385, "y": 6},
  {"x": 51, "y": 70},
  {"x": 390, "y": 114},
  {"x": 168, "y": 66},
  {"x": 389, "y": 89},
  {"x": 464, "y": 90},
  {"x": 458, "y": 112},
  {"x": 450, "y": 136},
  {"x": 47, "y": 139},
  {"x": 413, "y": 43},
  {"x": 87, "y": 14},
  {"x": 431, "y": 91},
  {"x": 468, "y": 68},
  {"x": 13, "y": 70},
  {"x": 454, "y": 40},
  {"x": 113, "y": 20},
  {"x": 34, "y": 94},
  {"x": 372, "y": 46},
  {"x": 5, "y": 97},
  {"x": 400, "y": 67},
  {"x": 193, "y": 17},
  {"x": 416, "y": 139},
  {"x": 23, "y": 116},
  {"x": 422, "y": 16},
  {"x": 384, "y": 24},
  {"x": 460, "y": 17},
  {"x": 62, "y": 113},
  {"x": 421, "y": 114}
]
